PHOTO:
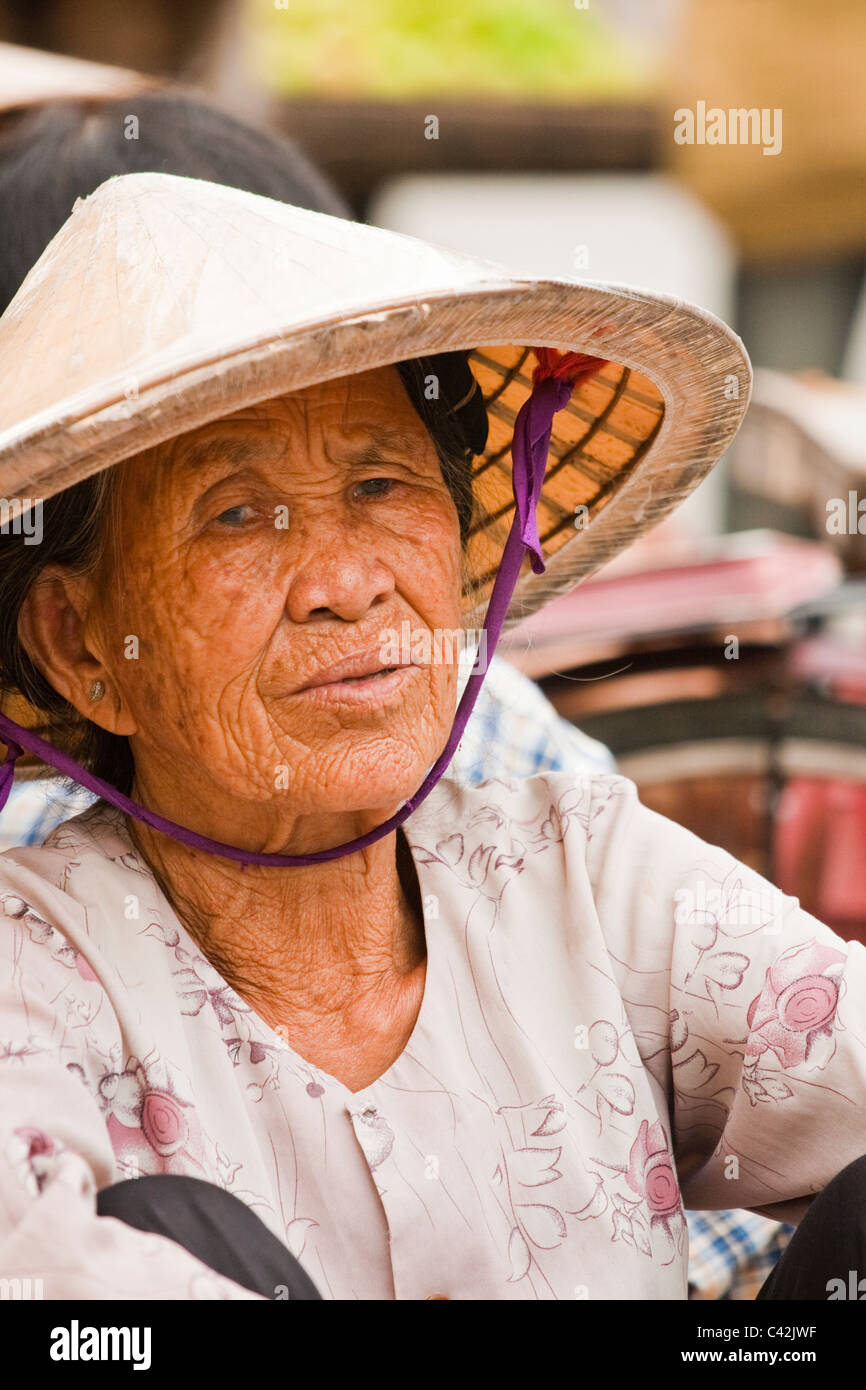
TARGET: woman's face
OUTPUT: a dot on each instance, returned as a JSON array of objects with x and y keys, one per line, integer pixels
[{"x": 265, "y": 559}]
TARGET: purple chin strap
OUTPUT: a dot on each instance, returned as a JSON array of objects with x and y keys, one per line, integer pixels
[{"x": 553, "y": 382}]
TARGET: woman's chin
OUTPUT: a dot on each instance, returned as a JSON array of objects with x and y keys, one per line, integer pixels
[{"x": 364, "y": 795}]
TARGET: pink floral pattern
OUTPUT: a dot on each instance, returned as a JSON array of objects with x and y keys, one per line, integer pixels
[{"x": 795, "y": 1013}]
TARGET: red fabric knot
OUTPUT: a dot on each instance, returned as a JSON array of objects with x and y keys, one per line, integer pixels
[{"x": 572, "y": 367}]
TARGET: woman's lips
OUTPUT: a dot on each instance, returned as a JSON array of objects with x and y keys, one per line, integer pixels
[
  {"x": 359, "y": 679},
  {"x": 363, "y": 690}
]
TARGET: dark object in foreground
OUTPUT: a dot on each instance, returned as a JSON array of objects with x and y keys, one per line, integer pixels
[
  {"x": 826, "y": 1257},
  {"x": 212, "y": 1224}
]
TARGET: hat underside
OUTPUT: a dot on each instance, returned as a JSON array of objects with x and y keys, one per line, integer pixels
[{"x": 607, "y": 426}]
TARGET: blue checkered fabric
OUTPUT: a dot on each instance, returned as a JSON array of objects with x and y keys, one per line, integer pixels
[
  {"x": 514, "y": 731},
  {"x": 35, "y": 807},
  {"x": 731, "y": 1253}
]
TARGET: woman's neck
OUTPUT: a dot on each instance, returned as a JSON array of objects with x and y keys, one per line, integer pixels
[{"x": 332, "y": 956}]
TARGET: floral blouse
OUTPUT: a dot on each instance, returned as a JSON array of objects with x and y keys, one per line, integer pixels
[{"x": 618, "y": 1020}]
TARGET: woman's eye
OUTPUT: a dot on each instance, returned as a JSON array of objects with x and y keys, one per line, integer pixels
[
  {"x": 233, "y": 516},
  {"x": 375, "y": 487}
]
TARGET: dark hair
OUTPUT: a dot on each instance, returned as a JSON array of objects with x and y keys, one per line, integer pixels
[
  {"x": 451, "y": 437},
  {"x": 53, "y": 154},
  {"x": 75, "y": 531}
]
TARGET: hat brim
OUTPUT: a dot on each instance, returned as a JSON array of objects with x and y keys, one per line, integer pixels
[
  {"x": 165, "y": 303},
  {"x": 631, "y": 444}
]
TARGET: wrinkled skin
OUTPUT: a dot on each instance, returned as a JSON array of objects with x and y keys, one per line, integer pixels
[{"x": 233, "y": 614}]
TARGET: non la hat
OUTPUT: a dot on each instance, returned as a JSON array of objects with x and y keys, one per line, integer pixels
[
  {"x": 165, "y": 303},
  {"x": 29, "y": 76}
]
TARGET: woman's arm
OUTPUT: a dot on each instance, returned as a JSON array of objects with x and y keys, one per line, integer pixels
[
  {"x": 57, "y": 1031},
  {"x": 748, "y": 1011}
]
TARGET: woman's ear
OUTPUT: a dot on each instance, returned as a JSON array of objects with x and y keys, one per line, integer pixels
[{"x": 57, "y": 633}]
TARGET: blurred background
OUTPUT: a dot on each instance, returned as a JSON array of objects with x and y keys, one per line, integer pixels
[{"x": 722, "y": 659}]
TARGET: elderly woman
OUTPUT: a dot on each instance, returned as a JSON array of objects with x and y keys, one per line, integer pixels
[{"x": 444, "y": 1042}]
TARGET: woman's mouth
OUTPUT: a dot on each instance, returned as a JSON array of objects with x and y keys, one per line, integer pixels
[
  {"x": 359, "y": 679},
  {"x": 373, "y": 689},
  {"x": 374, "y": 676}
]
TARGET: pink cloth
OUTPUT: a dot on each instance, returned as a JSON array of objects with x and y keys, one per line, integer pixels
[
  {"x": 617, "y": 1018},
  {"x": 819, "y": 834}
]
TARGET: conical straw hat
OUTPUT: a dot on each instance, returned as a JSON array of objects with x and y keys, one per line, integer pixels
[
  {"x": 164, "y": 303},
  {"x": 28, "y": 76}
]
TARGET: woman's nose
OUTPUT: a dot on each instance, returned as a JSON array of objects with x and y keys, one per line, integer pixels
[{"x": 337, "y": 579}]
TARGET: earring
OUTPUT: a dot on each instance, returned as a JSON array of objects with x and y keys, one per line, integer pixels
[{"x": 97, "y": 690}]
